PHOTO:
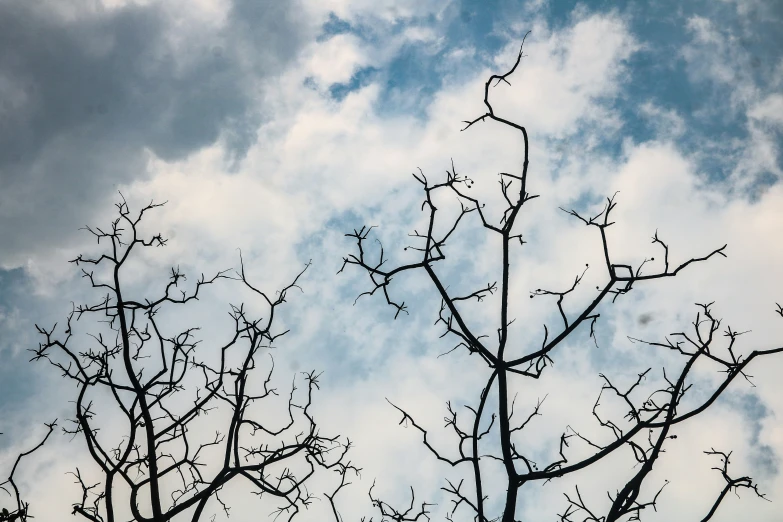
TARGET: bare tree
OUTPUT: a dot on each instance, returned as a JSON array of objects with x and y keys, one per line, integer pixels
[
  {"x": 171, "y": 423},
  {"x": 491, "y": 435},
  {"x": 20, "y": 509}
]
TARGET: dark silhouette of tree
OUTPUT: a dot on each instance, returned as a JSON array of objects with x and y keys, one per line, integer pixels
[
  {"x": 20, "y": 509},
  {"x": 171, "y": 423},
  {"x": 491, "y": 434}
]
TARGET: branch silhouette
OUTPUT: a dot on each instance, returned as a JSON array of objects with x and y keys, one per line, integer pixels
[
  {"x": 20, "y": 509},
  {"x": 145, "y": 390},
  {"x": 493, "y": 434}
]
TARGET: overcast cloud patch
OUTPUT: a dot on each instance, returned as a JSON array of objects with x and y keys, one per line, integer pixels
[{"x": 83, "y": 98}]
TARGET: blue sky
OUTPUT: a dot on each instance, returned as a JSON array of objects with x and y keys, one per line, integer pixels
[{"x": 277, "y": 127}]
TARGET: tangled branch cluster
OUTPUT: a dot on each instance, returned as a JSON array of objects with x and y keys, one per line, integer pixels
[
  {"x": 153, "y": 386},
  {"x": 491, "y": 422}
]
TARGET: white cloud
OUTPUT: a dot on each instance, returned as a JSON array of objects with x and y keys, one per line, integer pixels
[
  {"x": 335, "y": 60},
  {"x": 770, "y": 110},
  {"x": 716, "y": 58},
  {"x": 667, "y": 123},
  {"x": 385, "y": 11}
]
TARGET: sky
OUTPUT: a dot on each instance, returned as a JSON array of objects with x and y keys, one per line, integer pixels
[{"x": 276, "y": 127}]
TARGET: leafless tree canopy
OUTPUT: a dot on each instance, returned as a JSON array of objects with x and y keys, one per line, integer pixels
[
  {"x": 169, "y": 422},
  {"x": 491, "y": 434}
]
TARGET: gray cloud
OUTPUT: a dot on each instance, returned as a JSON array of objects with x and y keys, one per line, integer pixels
[{"x": 80, "y": 99}]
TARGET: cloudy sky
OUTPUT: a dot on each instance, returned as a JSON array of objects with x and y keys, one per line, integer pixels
[{"x": 278, "y": 126}]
